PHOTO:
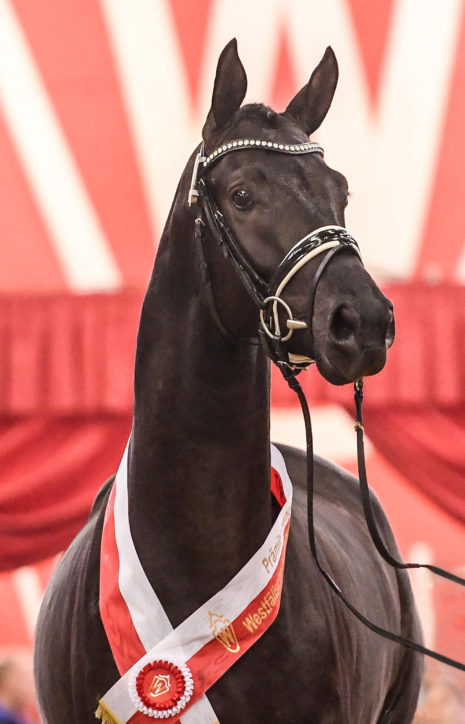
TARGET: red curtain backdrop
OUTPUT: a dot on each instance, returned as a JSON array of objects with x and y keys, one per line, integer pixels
[
  {"x": 427, "y": 445},
  {"x": 66, "y": 365},
  {"x": 52, "y": 468}
]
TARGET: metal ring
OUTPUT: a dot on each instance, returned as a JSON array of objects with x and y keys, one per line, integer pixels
[{"x": 264, "y": 325}]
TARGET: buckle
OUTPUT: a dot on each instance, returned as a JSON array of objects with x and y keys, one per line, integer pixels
[{"x": 271, "y": 325}]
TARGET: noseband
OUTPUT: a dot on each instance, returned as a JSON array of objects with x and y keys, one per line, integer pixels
[{"x": 267, "y": 296}]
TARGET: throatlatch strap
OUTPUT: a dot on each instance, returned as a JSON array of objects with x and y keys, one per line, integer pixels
[{"x": 290, "y": 377}]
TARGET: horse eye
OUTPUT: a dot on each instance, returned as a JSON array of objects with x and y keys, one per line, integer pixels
[{"x": 241, "y": 199}]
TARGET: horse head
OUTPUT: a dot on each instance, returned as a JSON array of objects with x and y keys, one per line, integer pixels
[{"x": 277, "y": 201}]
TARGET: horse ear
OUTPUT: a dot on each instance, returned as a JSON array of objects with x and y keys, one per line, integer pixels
[
  {"x": 229, "y": 89},
  {"x": 311, "y": 104}
]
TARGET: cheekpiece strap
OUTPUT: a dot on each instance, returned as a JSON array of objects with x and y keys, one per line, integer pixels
[
  {"x": 193, "y": 194},
  {"x": 253, "y": 282}
]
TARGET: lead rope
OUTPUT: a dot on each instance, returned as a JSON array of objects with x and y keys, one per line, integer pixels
[{"x": 290, "y": 376}]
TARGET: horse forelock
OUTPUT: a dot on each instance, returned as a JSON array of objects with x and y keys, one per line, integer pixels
[
  {"x": 256, "y": 120},
  {"x": 259, "y": 112}
]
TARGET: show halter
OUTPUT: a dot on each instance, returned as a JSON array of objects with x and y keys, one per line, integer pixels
[{"x": 326, "y": 240}]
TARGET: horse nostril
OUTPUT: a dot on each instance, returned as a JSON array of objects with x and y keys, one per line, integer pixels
[
  {"x": 391, "y": 330},
  {"x": 343, "y": 324}
]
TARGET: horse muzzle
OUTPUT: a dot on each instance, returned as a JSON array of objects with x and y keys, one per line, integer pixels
[{"x": 354, "y": 340}]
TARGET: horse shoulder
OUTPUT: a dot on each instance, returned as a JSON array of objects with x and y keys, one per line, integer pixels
[
  {"x": 70, "y": 617},
  {"x": 336, "y": 486}
]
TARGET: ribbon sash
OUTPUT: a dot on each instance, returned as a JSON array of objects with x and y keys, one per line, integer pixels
[{"x": 165, "y": 672}]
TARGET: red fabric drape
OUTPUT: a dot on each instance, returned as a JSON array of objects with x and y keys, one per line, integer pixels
[
  {"x": 71, "y": 354},
  {"x": 427, "y": 445},
  {"x": 67, "y": 354},
  {"x": 51, "y": 470},
  {"x": 66, "y": 365}
]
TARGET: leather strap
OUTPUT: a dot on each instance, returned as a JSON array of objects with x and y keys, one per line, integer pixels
[
  {"x": 294, "y": 384},
  {"x": 368, "y": 508}
]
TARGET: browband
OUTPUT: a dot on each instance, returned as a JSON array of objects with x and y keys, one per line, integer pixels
[
  {"x": 242, "y": 144},
  {"x": 248, "y": 143}
]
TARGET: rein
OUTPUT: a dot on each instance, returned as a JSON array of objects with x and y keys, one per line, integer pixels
[
  {"x": 290, "y": 377},
  {"x": 327, "y": 240}
]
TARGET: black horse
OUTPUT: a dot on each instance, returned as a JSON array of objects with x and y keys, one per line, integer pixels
[{"x": 199, "y": 462}]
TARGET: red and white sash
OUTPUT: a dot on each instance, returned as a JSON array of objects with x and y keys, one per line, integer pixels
[{"x": 165, "y": 672}]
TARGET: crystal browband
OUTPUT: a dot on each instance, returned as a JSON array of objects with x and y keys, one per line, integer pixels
[
  {"x": 202, "y": 161},
  {"x": 242, "y": 143}
]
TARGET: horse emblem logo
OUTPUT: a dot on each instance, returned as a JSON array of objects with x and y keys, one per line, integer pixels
[
  {"x": 161, "y": 689},
  {"x": 224, "y": 632},
  {"x": 161, "y": 684}
]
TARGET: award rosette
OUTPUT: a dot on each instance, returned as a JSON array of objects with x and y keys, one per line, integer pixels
[{"x": 161, "y": 689}]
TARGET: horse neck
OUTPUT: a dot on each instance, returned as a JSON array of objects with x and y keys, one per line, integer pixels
[{"x": 199, "y": 470}]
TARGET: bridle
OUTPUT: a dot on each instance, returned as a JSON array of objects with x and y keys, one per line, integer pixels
[
  {"x": 327, "y": 240},
  {"x": 267, "y": 296}
]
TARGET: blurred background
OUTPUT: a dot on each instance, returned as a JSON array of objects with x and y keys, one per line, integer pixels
[{"x": 101, "y": 103}]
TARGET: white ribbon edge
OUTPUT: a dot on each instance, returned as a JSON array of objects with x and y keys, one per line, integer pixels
[{"x": 147, "y": 614}]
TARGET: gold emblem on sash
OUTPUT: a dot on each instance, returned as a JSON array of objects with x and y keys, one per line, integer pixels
[
  {"x": 160, "y": 685},
  {"x": 224, "y": 632}
]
